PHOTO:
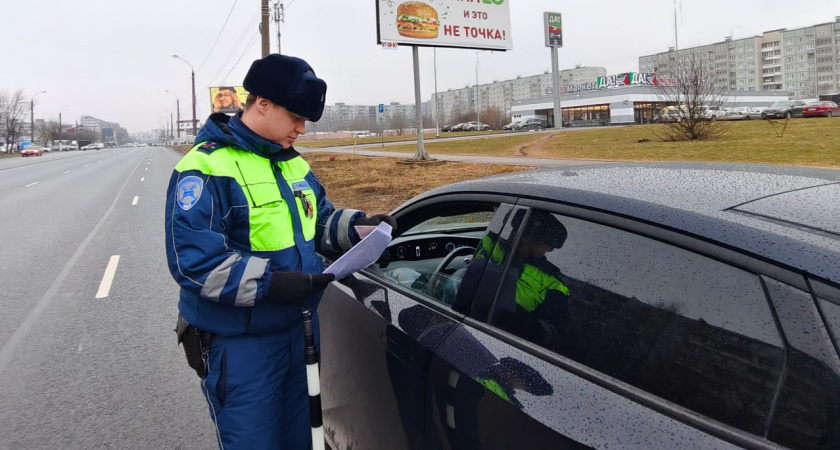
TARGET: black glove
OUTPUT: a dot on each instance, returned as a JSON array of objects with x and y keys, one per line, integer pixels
[
  {"x": 293, "y": 288},
  {"x": 376, "y": 220}
]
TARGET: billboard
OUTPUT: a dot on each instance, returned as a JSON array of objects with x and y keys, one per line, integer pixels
[
  {"x": 227, "y": 99},
  {"x": 475, "y": 24},
  {"x": 553, "y": 25}
]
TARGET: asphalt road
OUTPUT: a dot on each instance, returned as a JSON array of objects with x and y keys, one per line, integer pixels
[{"x": 76, "y": 371}]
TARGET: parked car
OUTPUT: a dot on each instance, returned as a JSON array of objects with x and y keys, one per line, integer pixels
[
  {"x": 784, "y": 109},
  {"x": 711, "y": 113},
  {"x": 670, "y": 114},
  {"x": 447, "y": 127},
  {"x": 743, "y": 113},
  {"x": 94, "y": 146},
  {"x": 821, "y": 109},
  {"x": 511, "y": 125},
  {"x": 32, "y": 150},
  {"x": 529, "y": 124},
  {"x": 644, "y": 306},
  {"x": 458, "y": 127},
  {"x": 476, "y": 126}
]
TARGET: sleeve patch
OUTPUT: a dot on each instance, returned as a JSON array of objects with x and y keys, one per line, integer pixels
[{"x": 189, "y": 191}]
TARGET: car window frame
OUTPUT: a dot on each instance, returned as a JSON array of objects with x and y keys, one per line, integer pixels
[
  {"x": 431, "y": 202},
  {"x": 685, "y": 241}
]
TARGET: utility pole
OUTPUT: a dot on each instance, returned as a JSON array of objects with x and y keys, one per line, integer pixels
[
  {"x": 266, "y": 46},
  {"x": 477, "y": 95},
  {"x": 32, "y": 117},
  {"x": 192, "y": 72},
  {"x": 279, "y": 17}
]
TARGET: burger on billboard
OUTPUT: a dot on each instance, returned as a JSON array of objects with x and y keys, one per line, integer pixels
[
  {"x": 417, "y": 20},
  {"x": 445, "y": 23}
]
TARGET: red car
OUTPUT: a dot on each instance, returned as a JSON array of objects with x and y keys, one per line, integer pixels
[
  {"x": 821, "y": 108},
  {"x": 31, "y": 151}
]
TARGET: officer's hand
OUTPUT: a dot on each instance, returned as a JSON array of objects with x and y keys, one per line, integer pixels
[
  {"x": 376, "y": 220},
  {"x": 293, "y": 288}
]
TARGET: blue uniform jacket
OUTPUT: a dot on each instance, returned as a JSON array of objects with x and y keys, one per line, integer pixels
[{"x": 209, "y": 242}]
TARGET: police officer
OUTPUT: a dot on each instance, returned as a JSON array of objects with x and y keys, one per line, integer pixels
[{"x": 244, "y": 218}]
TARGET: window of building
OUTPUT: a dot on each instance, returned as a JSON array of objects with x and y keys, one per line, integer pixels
[{"x": 684, "y": 327}]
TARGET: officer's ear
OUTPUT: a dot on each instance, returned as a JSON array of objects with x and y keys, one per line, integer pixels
[{"x": 263, "y": 105}]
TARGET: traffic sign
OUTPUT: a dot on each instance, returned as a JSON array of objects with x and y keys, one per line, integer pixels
[{"x": 381, "y": 108}]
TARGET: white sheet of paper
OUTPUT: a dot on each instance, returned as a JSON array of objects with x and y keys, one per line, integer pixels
[
  {"x": 362, "y": 254},
  {"x": 364, "y": 230}
]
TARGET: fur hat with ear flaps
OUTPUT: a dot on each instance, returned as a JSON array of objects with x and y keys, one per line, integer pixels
[{"x": 289, "y": 82}]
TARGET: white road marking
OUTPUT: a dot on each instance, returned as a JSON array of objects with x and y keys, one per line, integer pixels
[
  {"x": 80, "y": 347},
  {"x": 108, "y": 277},
  {"x": 32, "y": 184},
  {"x": 67, "y": 171},
  {"x": 136, "y": 198},
  {"x": 87, "y": 165},
  {"x": 146, "y": 168},
  {"x": 143, "y": 179}
]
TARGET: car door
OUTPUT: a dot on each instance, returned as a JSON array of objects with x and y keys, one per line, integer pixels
[
  {"x": 797, "y": 108},
  {"x": 604, "y": 333},
  {"x": 380, "y": 326}
]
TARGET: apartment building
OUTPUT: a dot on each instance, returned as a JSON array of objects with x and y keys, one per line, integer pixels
[
  {"x": 503, "y": 94},
  {"x": 803, "y": 62}
]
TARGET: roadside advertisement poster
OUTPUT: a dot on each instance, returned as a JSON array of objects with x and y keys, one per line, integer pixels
[
  {"x": 553, "y": 25},
  {"x": 228, "y": 99},
  {"x": 478, "y": 24}
]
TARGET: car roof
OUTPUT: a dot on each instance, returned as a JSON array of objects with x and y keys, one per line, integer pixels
[{"x": 785, "y": 214}]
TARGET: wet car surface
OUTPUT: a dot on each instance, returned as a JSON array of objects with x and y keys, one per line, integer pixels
[{"x": 616, "y": 306}]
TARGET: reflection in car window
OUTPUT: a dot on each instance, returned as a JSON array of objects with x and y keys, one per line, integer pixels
[
  {"x": 674, "y": 323},
  {"x": 807, "y": 409},
  {"x": 832, "y": 316},
  {"x": 431, "y": 258}
]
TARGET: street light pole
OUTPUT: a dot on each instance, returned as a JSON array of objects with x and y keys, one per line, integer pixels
[
  {"x": 193, "y": 92},
  {"x": 477, "y": 95},
  {"x": 178, "y": 110},
  {"x": 437, "y": 106},
  {"x": 32, "y": 116}
]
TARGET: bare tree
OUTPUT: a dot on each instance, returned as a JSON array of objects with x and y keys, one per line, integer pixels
[
  {"x": 48, "y": 132},
  {"x": 13, "y": 113},
  {"x": 398, "y": 121},
  {"x": 494, "y": 117},
  {"x": 688, "y": 83}
]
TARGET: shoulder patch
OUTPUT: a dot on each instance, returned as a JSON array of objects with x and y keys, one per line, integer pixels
[
  {"x": 189, "y": 191},
  {"x": 209, "y": 146}
]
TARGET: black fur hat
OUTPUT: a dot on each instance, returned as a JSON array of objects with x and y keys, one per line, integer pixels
[{"x": 289, "y": 82}]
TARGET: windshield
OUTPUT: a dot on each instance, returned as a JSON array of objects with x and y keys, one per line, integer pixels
[{"x": 780, "y": 105}]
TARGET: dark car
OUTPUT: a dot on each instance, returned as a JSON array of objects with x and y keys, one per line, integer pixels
[
  {"x": 821, "y": 109},
  {"x": 785, "y": 109},
  {"x": 529, "y": 124},
  {"x": 510, "y": 125},
  {"x": 631, "y": 306},
  {"x": 447, "y": 127}
]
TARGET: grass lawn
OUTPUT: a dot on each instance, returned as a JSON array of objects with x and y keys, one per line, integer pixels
[{"x": 806, "y": 142}]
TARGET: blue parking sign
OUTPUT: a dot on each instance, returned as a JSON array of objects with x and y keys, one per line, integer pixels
[{"x": 381, "y": 108}]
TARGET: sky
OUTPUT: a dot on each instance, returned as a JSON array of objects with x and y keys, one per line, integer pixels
[{"x": 113, "y": 59}]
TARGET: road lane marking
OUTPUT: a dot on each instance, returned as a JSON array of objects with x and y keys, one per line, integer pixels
[
  {"x": 143, "y": 179},
  {"x": 87, "y": 165},
  {"x": 31, "y": 184},
  {"x": 8, "y": 348},
  {"x": 67, "y": 171},
  {"x": 108, "y": 277},
  {"x": 146, "y": 168},
  {"x": 136, "y": 198}
]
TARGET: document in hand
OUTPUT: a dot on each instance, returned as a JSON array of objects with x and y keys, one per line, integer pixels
[{"x": 362, "y": 254}]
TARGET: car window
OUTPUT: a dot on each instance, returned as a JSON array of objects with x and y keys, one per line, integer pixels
[
  {"x": 679, "y": 325},
  {"x": 832, "y": 316},
  {"x": 808, "y": 405},
  {"x": 780, "y": 105},
  {"x": 431, "y": 256}
]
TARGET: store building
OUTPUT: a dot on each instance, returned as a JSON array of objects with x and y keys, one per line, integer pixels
[{"x": 623, "y": 99}]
